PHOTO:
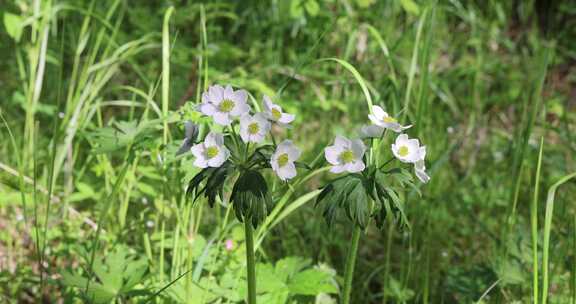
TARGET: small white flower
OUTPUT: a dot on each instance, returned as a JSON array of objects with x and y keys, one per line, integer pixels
[
  {"x": 383, "y": 120},
  {"x": 283, "y": 159},
  {"x": 253, "y": 128},
  {"x": 224, "y": 104},
  {"x": 370, "y": 131},
  {"x": 345, "y": 155},
  {"x": 274, "y": 112},
  {"x": 408, "y": 150},
  {"x": 420, "y": 170},
  {"x": 210, "y": 153},
  {"x": 150, "y": 224}
]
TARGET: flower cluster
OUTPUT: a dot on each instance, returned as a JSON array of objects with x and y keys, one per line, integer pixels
[
  {"x": 226, "y": 105},
  {"x": 347, "y": 155}
]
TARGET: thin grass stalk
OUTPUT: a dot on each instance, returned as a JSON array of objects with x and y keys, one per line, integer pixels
[
  {"x": 413, "y": 64},
  {"x": 534, "y": 224},
  {"x": 350, "y": 263},
  {"x": 547, "y": 230},
  {"x": 166, "y": 69}
]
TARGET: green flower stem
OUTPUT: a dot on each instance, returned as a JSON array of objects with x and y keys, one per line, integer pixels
[
  {"x": 251, "y": 265},
  {"x": 350, "y": 263}
]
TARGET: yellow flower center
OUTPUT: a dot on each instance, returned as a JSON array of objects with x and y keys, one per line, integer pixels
[
  {"x": 226, "y": 106},
  {"x": 211, "y": 152},
  {"x": 253, "y": 128},
  {"x": 403, "y": 151},
  {"x": 389, "y": 119},
  {"x": 282, "y": 160},
  {"x": 276, "y": 114},
  {"x": 346, "y": 156}
]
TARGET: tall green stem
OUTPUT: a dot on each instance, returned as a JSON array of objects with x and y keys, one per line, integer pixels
[
  {"x": 350, "y": 263},
  {"x": 251, "y": 265}
]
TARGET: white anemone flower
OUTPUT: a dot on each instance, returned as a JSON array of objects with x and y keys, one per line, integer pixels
[
  {"x": 345, "y": 155},
  {"x": 224, "y": 104},
  {"x": 274, "y": 113},
  {"x": 211, "y": 152},
  {"x": 383, "y": 120},
  {"x": 283, "y": 159},
  {"x": 253, "y": 128},
  {"x": 408, "y": 150}
]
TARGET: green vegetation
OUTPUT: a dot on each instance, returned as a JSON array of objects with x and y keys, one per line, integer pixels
[{"x": 97, "y": 206}]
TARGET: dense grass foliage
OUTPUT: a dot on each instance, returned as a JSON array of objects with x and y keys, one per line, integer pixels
[{"x": 94, "y": 96}]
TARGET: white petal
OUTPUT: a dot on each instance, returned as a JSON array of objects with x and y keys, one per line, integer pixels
[
  {"x": 222, "y": 119},
  {"x": 287, "y": 171},
  {"x": 355, "y": 166},
  {"x": 375, "y": 120},
  {"x": 341, "y": 141},
  {"x": 331, "y": 153},
  {"x": 274, "y": 162},
  {"x": 401, "y": 138},
  {"x": 396, "y": 127},
  {"x": 358, "y": 148},
  {"x": 240, "y": 108},
  {"x": 286, "y": 118},
  {"x": 244, "y": 134},
  {"x": 205, "y": 97},
  {"x": 267, "y": 105},
  {"x": 197, "y": 150},
  {"x": 370, "y": 131},
  {"x": 260, "y": 118},
  {"x": 338, "y": 169},
  {"x": 216, "y": 94},
  {"x": 420, "y": 165},
  {"x": 422, "y": 153},
  {"x": 228, "y": 93},
  {"x": 200, "y": 162},
  {"x": 379, "y": 112},
  {"x": 257, "y": 138},
  {"x": 240, "y": 96},
  {"x": 207, "y": 109},
  {"x": 422, "y": 176},
  {"x": 219, "y": 159},
  {"x": 294, "y": 153}
]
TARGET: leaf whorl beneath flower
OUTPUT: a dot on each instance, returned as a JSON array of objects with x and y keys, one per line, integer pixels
[
  {"x": 351, "y": 195},
  {"x": 251, "y": 198},
  {"x": 215, "y": 179}
]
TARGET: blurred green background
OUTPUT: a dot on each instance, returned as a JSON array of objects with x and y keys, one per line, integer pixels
[{"x": 481, "y": 81}]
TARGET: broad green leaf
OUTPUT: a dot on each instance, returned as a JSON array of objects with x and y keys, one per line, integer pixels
[
  {"x": 13, "y": 24},
  {"x": 410, "y": 7},
  {"x": 312, "y": 282},
  {"x": 312, "y": 7}
]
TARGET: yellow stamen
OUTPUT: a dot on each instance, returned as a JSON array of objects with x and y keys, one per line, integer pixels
[
  {"x": 389, "y": 119},
  {"x": 346, "y": 156},
  {"x": 253, "y": 128},
  {"x": 282, "y": 160},
  {"x": 226, "y": 105},
  {"x": 276, "y": 114},
  {"x": 403, "y": 151},
  {"x": 211, "y": 152}
]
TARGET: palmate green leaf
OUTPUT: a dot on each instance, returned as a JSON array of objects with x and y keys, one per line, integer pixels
[
  {"x": 388, "y": 199},
  {"x": 289, "y": 266},
  {"x": 122, "y": 134},
  {"x": 214, "y": 180},
  {"x": 351, "y": 193},
  {"x": 251, "y": 198},
  {"x": 312, "y": 282}
]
